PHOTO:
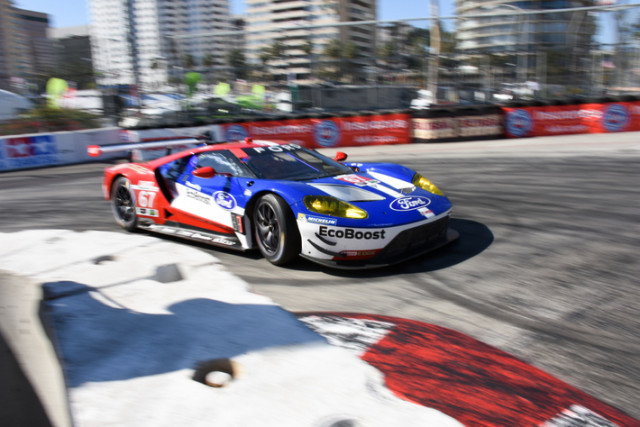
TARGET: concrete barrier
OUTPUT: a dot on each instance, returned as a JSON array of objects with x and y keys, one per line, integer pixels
[
  {"x": 349, "y": 128},
  {"x": 54, "y": 149}
]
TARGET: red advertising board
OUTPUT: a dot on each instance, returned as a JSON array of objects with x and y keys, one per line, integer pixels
[
  {"x": 382, "y": 129},
  {"x": 572, "y": 119}
]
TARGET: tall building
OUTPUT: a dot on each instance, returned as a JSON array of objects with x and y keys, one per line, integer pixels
[
  {"x": 310, "y": 28},
  {"x": 149, "y": 43},
  {"x": 73, "y": 56},
  {"x": 7, "y": 52},
  {"x": 26, "y": 54},
  {"x": 505, "y": 27}
]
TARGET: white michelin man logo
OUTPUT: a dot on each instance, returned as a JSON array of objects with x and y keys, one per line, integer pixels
[
  {"x": 519, "y": 123},
  {"x": 326, "y": 133},
  {"x": 615, "y": 118}
]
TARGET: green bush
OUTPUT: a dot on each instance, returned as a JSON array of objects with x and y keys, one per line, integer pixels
[{"x": 46, "y": 119}]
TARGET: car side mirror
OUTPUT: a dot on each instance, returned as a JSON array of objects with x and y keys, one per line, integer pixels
[
  {"x": 205, "y": 172},
  {"x": 340, "y": 156}
]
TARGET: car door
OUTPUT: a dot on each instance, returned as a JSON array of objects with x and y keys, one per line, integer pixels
[{"x": 214, "y": 203}]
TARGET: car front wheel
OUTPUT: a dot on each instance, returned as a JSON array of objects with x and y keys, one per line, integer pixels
[{"x": 276, "y": 232}]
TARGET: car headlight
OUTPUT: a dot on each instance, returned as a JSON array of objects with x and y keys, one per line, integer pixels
[
  {"x": 327, "y": 205},
  {"x": 422, "y": 182}
]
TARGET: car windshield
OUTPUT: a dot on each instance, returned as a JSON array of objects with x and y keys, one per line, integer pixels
[{"x": 284, "y": 162}]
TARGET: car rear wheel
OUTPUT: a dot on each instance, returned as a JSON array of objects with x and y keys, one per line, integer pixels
[
  {"x": 123, "y": 204},
  {"x": 276, "y": 232}
]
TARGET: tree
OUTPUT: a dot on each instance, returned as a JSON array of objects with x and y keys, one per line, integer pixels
[
  {"x": 342, "y": 56},
  {"x": 237, "y": 61},
  {"x": 387, "y": 52},
  {"x": 189, "y": 61},
  {"x": 333, "y": 51},
  {"x": 208, "y": 62},
  {"x": 272, "y": 53}
]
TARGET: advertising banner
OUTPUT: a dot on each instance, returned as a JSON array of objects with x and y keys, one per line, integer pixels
[
  {"x": 572, "y": 119},
  {"x": 328, "y": 132},
  {"x": 28, "y": 151},
  {"x": 377, "y": 129},
  {"x": 434, "y": 128},
  {"x": 34, "y": 151},
  {"x": 480, "y": 126}
]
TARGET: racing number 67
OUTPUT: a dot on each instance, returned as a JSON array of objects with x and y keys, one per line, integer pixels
[{"x": 146, "y": 198}]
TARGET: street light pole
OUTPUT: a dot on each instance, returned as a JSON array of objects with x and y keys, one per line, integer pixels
[{"x": 435, "y": 50}]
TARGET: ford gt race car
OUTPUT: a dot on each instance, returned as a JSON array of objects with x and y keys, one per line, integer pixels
[{"x": 285, "y": 200}]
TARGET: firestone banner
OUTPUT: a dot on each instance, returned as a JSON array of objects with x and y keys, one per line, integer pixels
[
  {"x": 330, "y": 132},
  {"x": 572, "y": 119}
]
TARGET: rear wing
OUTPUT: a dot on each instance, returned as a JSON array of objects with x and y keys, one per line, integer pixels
[{"x": 145, "y": 151}]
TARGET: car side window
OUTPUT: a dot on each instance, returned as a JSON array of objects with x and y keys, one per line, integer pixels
[
  {"x": 171, "y": 171},
  {"x": 223, "y": 162}
]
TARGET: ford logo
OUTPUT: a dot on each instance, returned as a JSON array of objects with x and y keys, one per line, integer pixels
[
  {"x": 224, "y": 200},
  {"x": 409, "y": 203}
]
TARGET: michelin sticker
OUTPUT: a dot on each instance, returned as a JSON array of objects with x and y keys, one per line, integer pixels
[{"x": 317, "y": 219}]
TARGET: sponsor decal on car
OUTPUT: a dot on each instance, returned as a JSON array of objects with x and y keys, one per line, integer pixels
[
  {"x": 145, "y": 185},
  {"x": 147, "y": 212},
  {"x": 317, "y": 219},
  {"x": 146, "y": 199},
  {"x": 189, "y": 234},
  {"x": 194, "y": 186},
  {"x": 224, "y": 200},
  {"x": 358, "y": 180},
  {"x": 277, "y": 148},
  {"x": 409, "y": 203},
  {"x": 350, "y": 233},
  {"x": 426, "y": 212},
  {"x": 197, "y": 196}
]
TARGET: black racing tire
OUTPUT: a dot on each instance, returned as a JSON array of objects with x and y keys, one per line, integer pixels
[
  {"x": 275, "y": 230},
  {"x": 123, "y": 204}
]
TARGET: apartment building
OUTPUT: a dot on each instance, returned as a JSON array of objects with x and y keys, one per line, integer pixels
[
  {"x": 26, "y": 54},
  {"x": 526, "y": 29},
  {"x": 303, "y": 29},
  {"x": 149, "y": 43}
]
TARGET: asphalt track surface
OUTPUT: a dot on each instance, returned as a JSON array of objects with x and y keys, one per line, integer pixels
[{"x": 546, "y": 267}]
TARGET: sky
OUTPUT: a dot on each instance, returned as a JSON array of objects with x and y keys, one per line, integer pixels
[{"x": 70, "y": 13}]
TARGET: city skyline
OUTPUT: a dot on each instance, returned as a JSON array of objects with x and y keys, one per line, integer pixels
[{"x": 69, "y": 13}]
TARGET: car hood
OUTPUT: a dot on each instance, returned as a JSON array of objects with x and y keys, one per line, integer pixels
[{"x": 387, "y": 201}]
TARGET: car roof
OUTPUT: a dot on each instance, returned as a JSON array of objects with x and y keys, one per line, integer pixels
[{"x": 248, "y": 143}]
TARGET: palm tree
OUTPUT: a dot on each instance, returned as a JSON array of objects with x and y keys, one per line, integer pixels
[
  {"x": 208, "y": 62},
  {"x": 189, "y": 61},
  {"x": 237, "y": 61}
]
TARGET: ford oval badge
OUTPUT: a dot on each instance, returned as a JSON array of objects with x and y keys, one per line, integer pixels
[
  {"x": 409, "y": 203},
  {"x": 224, "y": 200}
]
